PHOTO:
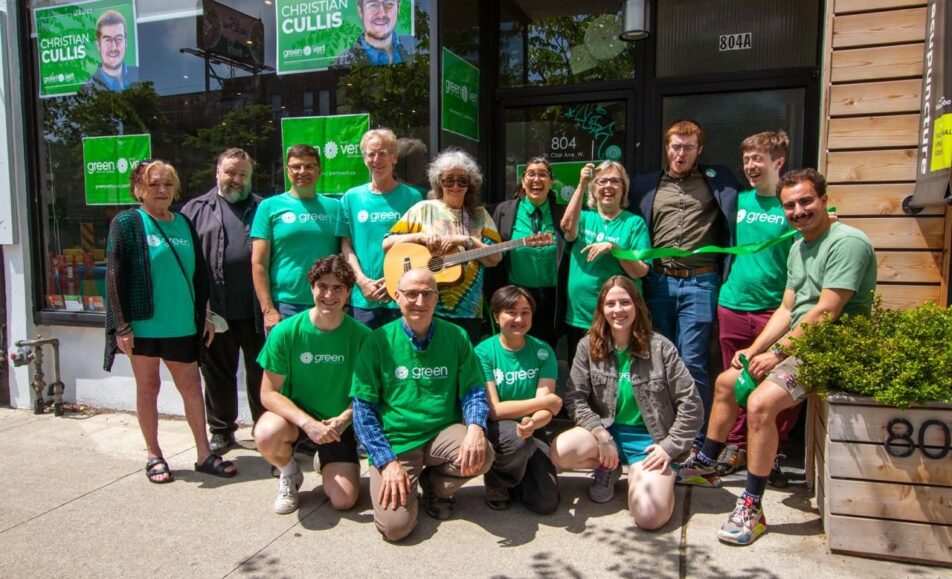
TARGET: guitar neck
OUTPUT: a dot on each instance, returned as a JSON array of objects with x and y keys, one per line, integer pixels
[{"x": 482, "y": 252}]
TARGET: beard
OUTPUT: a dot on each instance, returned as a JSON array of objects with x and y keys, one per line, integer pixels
[{"x": 234, "y": 195}]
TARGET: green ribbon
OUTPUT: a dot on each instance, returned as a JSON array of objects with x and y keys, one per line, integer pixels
[{"x": 748, "y": 248}]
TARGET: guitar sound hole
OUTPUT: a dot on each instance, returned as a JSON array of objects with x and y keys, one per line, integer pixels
[{"x": 435, "y": 264}]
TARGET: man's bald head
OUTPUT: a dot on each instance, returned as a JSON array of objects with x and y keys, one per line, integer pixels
[
  {"x": 416, "y": 276},
  {"x": 417, "y": 295}
]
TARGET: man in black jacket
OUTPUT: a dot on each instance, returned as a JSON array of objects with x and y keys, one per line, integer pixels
[
  {"x": 687, "y": 206},
  {"x": 223, "y": 218}
]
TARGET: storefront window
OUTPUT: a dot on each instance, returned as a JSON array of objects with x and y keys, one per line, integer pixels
[
  {"x": 199, "y": 77},
  {"x": 553, "y": 43}
]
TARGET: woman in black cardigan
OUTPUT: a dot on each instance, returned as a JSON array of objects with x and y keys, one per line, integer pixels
[
  {"x": 156, "y": 300},
  {"x": 537, "y": 269}
]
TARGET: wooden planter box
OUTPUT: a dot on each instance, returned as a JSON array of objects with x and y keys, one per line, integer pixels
[{"x": 873, "y": 503}]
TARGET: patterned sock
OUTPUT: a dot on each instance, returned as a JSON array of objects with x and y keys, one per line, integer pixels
[
  {"x": 755, "y": 487},
  {"x": 708, "y": 454}
]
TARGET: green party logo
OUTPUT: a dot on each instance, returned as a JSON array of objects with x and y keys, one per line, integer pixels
[
  {"x": 337, "y": 139},
  {"x": 107, "y": 163}
]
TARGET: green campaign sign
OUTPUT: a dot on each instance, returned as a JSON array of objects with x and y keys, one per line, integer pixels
[
  {"x": 107, "y": 163},
  {"x": 565, "y": 177},
  {"x": 317, "y": 34},
  {"x": 337, "y": 139},
  {"x": 69, "y": 55},
  {"x": 460, "y": 110}
]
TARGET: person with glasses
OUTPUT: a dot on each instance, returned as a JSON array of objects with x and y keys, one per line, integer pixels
[
  {"x": 156, "y": 311},
  {"x": 537, "y": 269},
  {"x": 112, "y": 74},
  {"x": 291, "y": 230},
  {"x": 377, "y": 44},
  {"x": 594, "y": 233},
  {"x": 688, "y": 206},
  {"x": 308, "y": 363},
  {"x": 367, "y": 214},
  {"x": 520, "y": 373},
  {"x": 453, "y": 219},
  {"x": 420, "y": 410}
]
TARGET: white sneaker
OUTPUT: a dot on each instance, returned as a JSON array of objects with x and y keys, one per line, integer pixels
[{"x": 287, "y": 500}]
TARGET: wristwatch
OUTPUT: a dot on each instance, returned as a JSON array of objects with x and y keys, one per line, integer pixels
[{"x": 778, "y": 351}]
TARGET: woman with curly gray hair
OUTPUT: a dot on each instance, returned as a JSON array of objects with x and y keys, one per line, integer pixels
[{"x": 452, "y": 219}]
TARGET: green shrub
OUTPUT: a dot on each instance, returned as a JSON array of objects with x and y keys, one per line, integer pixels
[{"x": 898, "y": 357}]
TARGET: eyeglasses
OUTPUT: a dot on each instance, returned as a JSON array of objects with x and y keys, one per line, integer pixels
[
  {"x": 117, "y": 40},
  {"x": 536, "y": 175},
  {"x": 376, "y": 5},
  {"x": 458, "y": 181},
  {"x": 374, "y": 155},
  {"x": 297, "y": 168},
  {"x": 606, "y": 181},
  {"x": 334, "y": 289},
  {"x": 414, "y": 295},
  {"x": 682, "y": 148}
]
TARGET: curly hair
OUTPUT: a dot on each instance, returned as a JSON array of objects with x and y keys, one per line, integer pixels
[
  {"x": 602, "y": 345},
  {"x": 335, "y": 265},
  {"x": 808, "y": 175},
  {"x": 139, "y": 177},
  {"x": 456, "y": 159}
]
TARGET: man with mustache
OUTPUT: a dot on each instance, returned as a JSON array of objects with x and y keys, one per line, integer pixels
[
  {"x": 111, "y": 37},
  {"x": 830, "y": 272},
  {"x": 223, "y": 218},
  {"x": 378, "y": 44}
]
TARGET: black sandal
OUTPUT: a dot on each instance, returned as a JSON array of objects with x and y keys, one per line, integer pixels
[
  {"x": 155, "y": 467},
  {"x": 216, "y": 469}
]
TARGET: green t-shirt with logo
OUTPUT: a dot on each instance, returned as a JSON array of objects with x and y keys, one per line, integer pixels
[
  {"x": 842, "y": 258},
  {"x": 517, "y": 373},
  {"x": 418, "y": 392},
  {"x": 626, "y": 230},
  {"x": 317, "y": 366},
  {"x": 366, "y": 218},
  {"x": 626, "y": 407},
  {"x": 301, "y": 231},
  {"x": 532, "y": 266},
  {"x": 173, "y": 313},
  {"x": 757, "y": 281}
]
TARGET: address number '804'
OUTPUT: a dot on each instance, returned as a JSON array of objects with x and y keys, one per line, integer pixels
[{"x": 900, "y": 442}]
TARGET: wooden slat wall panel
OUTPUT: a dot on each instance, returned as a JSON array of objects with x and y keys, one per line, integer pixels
[
  {"x": 873, "y": 79},
  {"x": 877, "y": 63},
  {"x": 921, "y": 504},
  {"x": 855, "y": 423},
  {"x": 877, "y": 28},
  {"x": 916, "y": 541},
  {"x": 894, "y": 96},
  {"x": 872, "y": 462},
  {"x": 871, "y": 166},
  {"x": 873, "y": 199},
  {"x": 867, "y": 132},
  {"x": 847, "y": 6},
  {"x": 901, "y": 232}
]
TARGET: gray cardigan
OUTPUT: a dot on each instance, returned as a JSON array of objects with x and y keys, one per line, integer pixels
[{"x": 667, "y": 397}]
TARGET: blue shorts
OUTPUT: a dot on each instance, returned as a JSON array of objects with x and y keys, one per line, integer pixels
[{"x": 632, "y": 443}]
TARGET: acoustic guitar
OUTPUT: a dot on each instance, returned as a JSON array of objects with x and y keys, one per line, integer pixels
[{"x": 447, "y": 269}]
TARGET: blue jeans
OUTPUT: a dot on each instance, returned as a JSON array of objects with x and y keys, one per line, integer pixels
[
  {"x": 684, "y": 311},
  {"x": 287, "y": 310},
  {"x": 373, "y": 318}
]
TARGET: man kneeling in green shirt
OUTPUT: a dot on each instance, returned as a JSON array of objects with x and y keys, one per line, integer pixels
[
  {"x": 308, "y": 361},
  {"x": 420, "y": 410}
]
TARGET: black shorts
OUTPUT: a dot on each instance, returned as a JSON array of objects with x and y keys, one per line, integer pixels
[
  {"x": 183, "y": 349},
  {"x": 344, "y": 450}
]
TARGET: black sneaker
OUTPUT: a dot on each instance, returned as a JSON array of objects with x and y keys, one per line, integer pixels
[
  {"x": 436, "y": 507},
  {"x": 222, "y": 443},
  {"x": 777, "y": 478}
]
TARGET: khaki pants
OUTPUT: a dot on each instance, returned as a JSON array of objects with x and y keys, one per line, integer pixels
[{"x": 439, "y": 457}]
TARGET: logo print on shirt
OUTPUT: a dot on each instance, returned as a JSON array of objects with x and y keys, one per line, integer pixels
[
  {"x": 498, "y": 375},
  {"x": 363, "y": 216},
  {"x": 306, "y": 357},
  {"x": 289, "y": 217},
  {"x": 741, "y": 214},
  {"x": 153, "y": 240},
  {"x": 309, "y": 358},
  {"x": 401, "y": 372},
  {"x": 543, "y": 354},
  {"x": 600, "y": 237}
]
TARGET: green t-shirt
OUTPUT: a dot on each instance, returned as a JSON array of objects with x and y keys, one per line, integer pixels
[
  {"x": 418, "y": 392},
  {"x": 842, "y": 258},
  {"x": 626, "y": 230},
  {"x": 366, "y": 217},
  {"x": 317, "y": 366},
  {"x": 173, "y": 313},
  {"x": 301, "y": 231},
  {"x": 756, "y": 281},
  {"x": 517, "y": 373},
  {"x": 532, "y": 266},
  {"x": 626, "y": 407}
]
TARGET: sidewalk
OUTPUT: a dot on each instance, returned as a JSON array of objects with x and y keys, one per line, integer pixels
[{"x": 76, "y": 503}]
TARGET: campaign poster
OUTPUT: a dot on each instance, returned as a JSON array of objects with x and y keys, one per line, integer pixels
[
  {"x": 337, "y": 139},
  {"x": 318, "y": 34},
  {"x": 86, "y": 46},
  {"x": 107, "y": 164},
  {"x": 460, "y": 97}
]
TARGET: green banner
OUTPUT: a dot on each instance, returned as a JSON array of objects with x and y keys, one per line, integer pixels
[
  {"x": 337, "y": 139},
  {"x": 460, "y": 97},
  {"x": 317, "y": 34},
  {"x": 565, "y": 176},
  {"x": 68, "y": 52},
  {"x": 107, "y": 163}
]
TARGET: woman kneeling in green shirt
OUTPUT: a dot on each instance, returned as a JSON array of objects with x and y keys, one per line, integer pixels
[
  {"x": 520, "y": 373},
  {"x": 308, "y": 362}
]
